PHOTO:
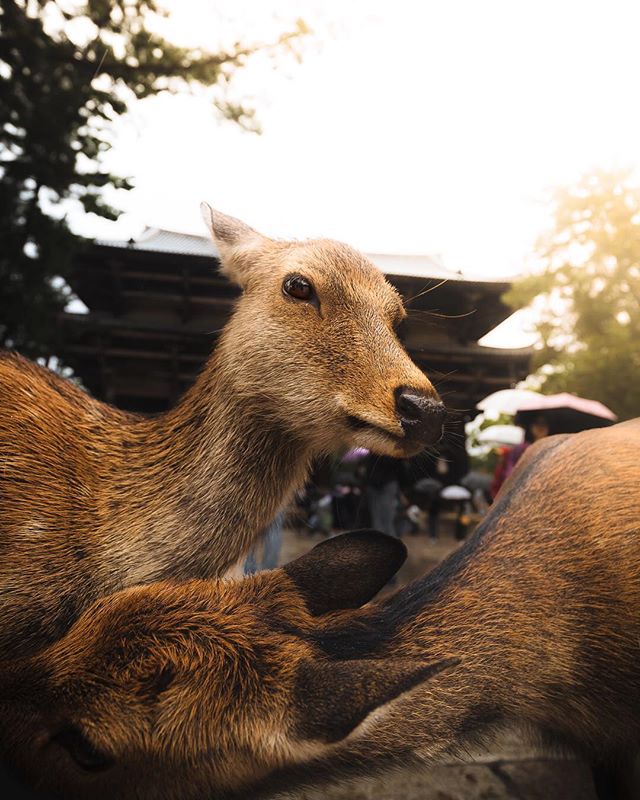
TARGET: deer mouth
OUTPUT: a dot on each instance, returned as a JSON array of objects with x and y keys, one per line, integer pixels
[
  {"x": 359, "y": 424},
  {"x": 415, "y": 436}
]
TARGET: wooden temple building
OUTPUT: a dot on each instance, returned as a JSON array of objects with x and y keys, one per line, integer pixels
[{"x": 156, "y": 305}]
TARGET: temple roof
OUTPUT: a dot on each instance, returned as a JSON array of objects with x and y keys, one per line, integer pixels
[{"x": 161, "y": 240}]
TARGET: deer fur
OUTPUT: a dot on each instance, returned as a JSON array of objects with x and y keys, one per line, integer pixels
[
  {"x": 542, "y": 608},
  {"x": 250, "y": 688},
  {"x": 201, "y": 689},
  {"x": 93, "y": 499}
]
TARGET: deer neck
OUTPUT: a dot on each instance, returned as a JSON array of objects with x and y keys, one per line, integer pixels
[{"x": 212, "y": 474}]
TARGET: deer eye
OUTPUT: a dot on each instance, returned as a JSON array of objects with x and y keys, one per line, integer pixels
[
  {"x": 85, "y": 754},
  {"x": 299, "y": 288}
]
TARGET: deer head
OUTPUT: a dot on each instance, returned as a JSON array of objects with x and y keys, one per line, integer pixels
[{"x": 319, "y": 319}]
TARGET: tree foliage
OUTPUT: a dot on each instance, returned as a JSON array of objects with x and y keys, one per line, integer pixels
[
  {"x": 589, "y": 292},
  {"x": 68, "y": 69}
]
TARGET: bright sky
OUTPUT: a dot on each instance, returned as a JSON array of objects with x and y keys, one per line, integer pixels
[{"x": 410, "y": 127}]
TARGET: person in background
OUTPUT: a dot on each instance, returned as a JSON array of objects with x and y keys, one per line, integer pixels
[
  {"x": 499, "y": 471},
  {"x": 382, "y": 492},
  {"x": 536, "y": 430},
  {"x": 271, "y": 542}
]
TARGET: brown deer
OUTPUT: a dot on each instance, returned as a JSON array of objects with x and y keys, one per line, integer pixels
[
  {"x": 93, "y": 499},
  {"x": 203, "y": 688},
  {"x": 242, "y": 689}
]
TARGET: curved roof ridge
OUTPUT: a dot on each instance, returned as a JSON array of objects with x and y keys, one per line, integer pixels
[{"x": 163, "y": 240}]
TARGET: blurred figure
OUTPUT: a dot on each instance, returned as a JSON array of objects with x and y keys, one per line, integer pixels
[
  {"x": 499, "y": 472},
  {"x": 426, "y": 493},
  {"x": 382, "y": 492},
  {"x": 347, "y": 479},
  {"x": 271, "y": 543},
  {"x": 537, "y": 429},
  {"x": 459, "y": 498},
  {"x": 479, "y": 484}
]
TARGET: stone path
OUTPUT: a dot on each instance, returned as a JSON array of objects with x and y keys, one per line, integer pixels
[{"x": 537, "y": 779}]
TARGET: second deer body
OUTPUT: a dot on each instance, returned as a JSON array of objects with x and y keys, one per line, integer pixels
[{"x": 239, "y": 689}]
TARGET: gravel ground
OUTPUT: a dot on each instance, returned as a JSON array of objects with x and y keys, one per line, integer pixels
[
  {"x": 512, "y": 771},
  {"x": 499, "y": 780}
]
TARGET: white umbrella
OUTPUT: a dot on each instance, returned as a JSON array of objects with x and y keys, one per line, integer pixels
[
  {"x": 508, "y": 401},
  {"x": 454, "y": 492},
  {"x": 501, "y": 434}
]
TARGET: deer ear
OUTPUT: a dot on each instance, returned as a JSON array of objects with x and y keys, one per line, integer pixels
[
  {"x": 235, "y": 242},
  {"x": 346, "y": 571},
  {"x": 331, "y": 698}
]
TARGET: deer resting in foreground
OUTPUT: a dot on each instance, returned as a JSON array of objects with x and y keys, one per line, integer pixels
[
  {"x": 241, "y": 689},
  {"x": 93, "y": 499}
]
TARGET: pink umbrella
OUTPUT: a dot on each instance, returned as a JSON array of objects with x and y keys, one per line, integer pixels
[{"x": 565, "y": 413}]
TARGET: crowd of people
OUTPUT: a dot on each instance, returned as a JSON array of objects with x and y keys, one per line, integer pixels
[{"x": 398, "y": 497}]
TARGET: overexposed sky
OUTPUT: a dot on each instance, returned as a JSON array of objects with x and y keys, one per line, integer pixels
[{"x": 409, "y": 127}]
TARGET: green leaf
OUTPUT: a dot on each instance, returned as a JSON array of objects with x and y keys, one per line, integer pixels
[{"x": 587, "y": 292}]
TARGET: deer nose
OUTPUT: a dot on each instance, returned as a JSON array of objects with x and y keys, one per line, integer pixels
[{"x": 421, "y": 415}]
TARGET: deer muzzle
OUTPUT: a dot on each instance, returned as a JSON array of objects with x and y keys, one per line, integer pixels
[{"x": 421, "y": 415}]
